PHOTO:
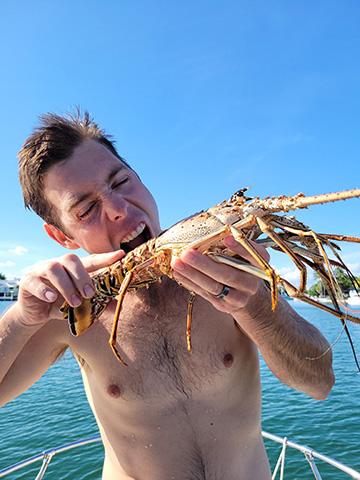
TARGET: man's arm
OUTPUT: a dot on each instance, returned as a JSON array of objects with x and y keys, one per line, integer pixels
[
  {"x": 26, "y": 352},
  {"x": 295, "y": 351},
  {"x": 32, "y": 331}
]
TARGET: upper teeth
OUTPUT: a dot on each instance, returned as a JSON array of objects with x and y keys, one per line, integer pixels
[{"x": 134, "y": 233}]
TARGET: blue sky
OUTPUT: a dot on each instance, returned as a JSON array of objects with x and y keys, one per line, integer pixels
[{"x": 203, "y": 98}]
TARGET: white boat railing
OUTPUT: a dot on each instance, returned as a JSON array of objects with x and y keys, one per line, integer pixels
[
  {"x": 309, "y": 454},
  {"x": 46, "y": 457}
]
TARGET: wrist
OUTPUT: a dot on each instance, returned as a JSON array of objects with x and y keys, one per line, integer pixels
[
  {"x": 258, "y": 304},
  {"x": 19, "y": 319}
]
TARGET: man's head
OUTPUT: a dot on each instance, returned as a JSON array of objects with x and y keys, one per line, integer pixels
[
  {"x": 51, "y": 143},
  {"x": 73, "y": 177}
]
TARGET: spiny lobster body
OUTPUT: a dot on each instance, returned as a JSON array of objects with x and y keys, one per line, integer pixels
[{"x": 245, "y": 218}]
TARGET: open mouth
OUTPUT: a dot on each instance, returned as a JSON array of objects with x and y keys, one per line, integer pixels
[{"x": 139, "y": 236}]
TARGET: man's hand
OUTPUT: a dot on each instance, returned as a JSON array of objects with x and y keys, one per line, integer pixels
[
  {"x": 202, "y": 275},
  {"x": 43, "y": 290}
]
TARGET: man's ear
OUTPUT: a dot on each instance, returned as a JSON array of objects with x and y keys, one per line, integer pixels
[{"x": 60, "y": 237}]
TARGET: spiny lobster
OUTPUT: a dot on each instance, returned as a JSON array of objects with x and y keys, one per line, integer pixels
[{"x": 246, "y": 219}]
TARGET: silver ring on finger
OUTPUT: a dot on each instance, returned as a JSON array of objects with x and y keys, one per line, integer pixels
[{"x": 224, "y": 292}]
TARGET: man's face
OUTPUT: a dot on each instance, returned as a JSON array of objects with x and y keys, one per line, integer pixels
[{"x": 102, "y": 203}]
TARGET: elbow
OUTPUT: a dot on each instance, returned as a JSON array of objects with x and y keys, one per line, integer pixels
[
  {"x": 323, "y": 389},
  {"x": 324, "y": 378}
]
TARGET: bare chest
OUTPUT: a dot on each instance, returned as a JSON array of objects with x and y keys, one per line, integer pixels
[{"x": 152, "y": 341}]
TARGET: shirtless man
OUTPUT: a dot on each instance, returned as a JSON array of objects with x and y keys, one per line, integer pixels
[{"x": 168, "y": 414}]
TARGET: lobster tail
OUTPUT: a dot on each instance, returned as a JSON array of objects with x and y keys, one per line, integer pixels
[{"x": 82, "y": 317}]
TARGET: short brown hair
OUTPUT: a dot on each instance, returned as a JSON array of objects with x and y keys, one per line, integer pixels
[{"x": 52, "y": 142}]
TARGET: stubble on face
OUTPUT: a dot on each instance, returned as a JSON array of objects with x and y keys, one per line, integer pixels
[{"x": 91, "y": 174}]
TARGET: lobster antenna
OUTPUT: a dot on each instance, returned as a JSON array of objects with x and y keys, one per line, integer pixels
[
  {"x": 303, "y": 202},
  {"x": 287, "y": 203}
]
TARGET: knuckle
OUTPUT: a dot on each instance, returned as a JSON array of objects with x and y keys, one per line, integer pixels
[
  {"x": 70, "y": 258},
  {"x": 53, "y": 267},
  {"x": 26, "y": 279},
  {"x": 263, "y": 252}
]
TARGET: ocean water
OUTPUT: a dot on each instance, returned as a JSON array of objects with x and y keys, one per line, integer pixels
[{"x": 55, "y": 411}]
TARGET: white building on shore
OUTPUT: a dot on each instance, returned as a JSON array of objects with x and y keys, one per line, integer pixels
[{"x": 9, "y": 288}]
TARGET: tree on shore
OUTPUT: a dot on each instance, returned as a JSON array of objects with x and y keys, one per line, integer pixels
[
  {"x": 2, "y": 276},
  {"x": 343, "y": 279}
]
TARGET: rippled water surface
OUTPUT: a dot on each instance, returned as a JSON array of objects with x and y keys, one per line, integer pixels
[
  {"x": 54, "y": 411},
  {"x": 331, "y": 427}
]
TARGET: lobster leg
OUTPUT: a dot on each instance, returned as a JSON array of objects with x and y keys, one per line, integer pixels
[
  {"x": 289, "y": 288},
  {"x": 188, "y": 321},
  {"x": 328, "y": 278},
  {"x": 295, "y": 293},
  {"x": 320, "y": 240},
  {"x": 266, "y": 228},
  {"x": 124, "y": 286},
  {"x": 233, "y": 262},
  {"x": 269, "y": 271}
]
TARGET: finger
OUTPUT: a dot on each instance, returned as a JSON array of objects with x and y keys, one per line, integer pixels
[
  {"x": 78, "y": 271},
  {"x": 233, "y": 300},
  {"x": 208, "y": 274},
  {"x": 236, "y": 247},
  {"x": 32, "y": 286},
  {"x": 66, "y": 276},
  {"x": 70, "y": 279},
  {"x": 100, "y": 260},
  {"x": 191, "y": 277}
]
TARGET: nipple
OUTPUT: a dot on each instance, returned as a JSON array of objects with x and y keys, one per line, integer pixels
[
  {"x": 228, "y": 360},
  {"x": 113, "y": 391}
]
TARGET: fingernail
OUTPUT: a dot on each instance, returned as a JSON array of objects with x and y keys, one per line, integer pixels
[
  {"x": 75, "y": 301},
  {"x": 50, "y": 295},
  {"x": 88, "y": 290}
]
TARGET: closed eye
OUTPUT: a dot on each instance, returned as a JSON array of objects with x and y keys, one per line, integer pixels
[
  {"x": 121, "y": 182},
  {"x": 88, "y": 211}
]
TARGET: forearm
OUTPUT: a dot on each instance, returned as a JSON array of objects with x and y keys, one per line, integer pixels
[
  {"x": 295, "y": 351},
  {"x": 27, "y": 350},
  {"x": 14, "y": 335}
]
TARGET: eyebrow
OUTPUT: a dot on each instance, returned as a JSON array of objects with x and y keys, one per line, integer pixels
[{"x": 75, "y": 200}]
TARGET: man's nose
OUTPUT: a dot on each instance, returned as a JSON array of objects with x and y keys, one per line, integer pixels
[{"x": 116, "y": 207}]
